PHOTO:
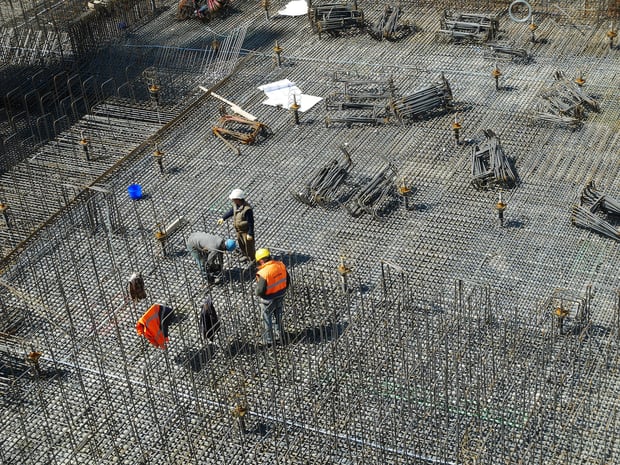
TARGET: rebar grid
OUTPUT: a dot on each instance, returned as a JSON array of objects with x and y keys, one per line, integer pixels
[
  {"x": 400, "y": 369},
  {"x": 380, "y": 375}
]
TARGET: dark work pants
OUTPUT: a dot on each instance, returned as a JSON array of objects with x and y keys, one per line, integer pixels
[{"x": 246, "y": 245}]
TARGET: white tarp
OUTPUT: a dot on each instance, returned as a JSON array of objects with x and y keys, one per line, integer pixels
[
  {"x": 295, "y": 8},
  {"x": 284, "y": 93}
]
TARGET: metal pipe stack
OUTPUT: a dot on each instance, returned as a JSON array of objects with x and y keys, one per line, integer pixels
[
  {"x": 476, "y": 27},
  {"x": 592, "y": 211},
  {"x": 425, "y": 101},
  {"x": 490, "y": 166}
]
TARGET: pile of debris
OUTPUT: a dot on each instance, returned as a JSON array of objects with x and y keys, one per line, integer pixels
[
  {"x": 490, "y": 166},
  {"x": 471, "y": 27},
  {"x": 593, "y": 210},
  {"x": 564, "y": 102}
]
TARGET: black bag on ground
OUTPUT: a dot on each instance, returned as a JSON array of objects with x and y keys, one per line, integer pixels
[
  {"x": 209, "y": 323},
  {"x": 136, "y": 287}
]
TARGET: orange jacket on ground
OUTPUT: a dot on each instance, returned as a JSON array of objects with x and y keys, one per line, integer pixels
[{"x": 149, "y": 325}]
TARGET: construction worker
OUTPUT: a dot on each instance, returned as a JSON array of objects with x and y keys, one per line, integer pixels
[
  {"x": 243, "y": 221},
  {"x": 272, "y": 280},
  {"x": 208, "y": 251}
]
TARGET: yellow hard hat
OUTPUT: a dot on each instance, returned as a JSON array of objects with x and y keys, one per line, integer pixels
[{"x": 261, "y": 254}]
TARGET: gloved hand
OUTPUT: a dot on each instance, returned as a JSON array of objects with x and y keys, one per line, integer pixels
[
  {"x": 220, "y": 222},
  {"x": 248, "y": 237}
]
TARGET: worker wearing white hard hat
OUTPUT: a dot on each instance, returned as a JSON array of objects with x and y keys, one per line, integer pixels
[
  {"x": 243, "y": 221},
  {"x": 237, "y": 194}
]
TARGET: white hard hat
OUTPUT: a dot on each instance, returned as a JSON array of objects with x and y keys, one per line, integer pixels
[{"x": 236, "y": 194}]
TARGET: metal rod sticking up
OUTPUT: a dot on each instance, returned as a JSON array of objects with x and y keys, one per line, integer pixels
[
  {"x": 84, "y": 143},
  {"x": 4, "y": 210},
  {"x": 295, "y": 108},
  {"x": 532, "y": 27},
  {"x": 265, "y": 5},
  {"x": 344, "y": 270},
  {"x": 278, "y": 51},
  {"x": 500, "y": 207},
  {"x": 496, "y": 73},
  {"x": 158, "y": 156},
  {"x": 456, "y": 128},
  {"x": 611, "y": 35}
]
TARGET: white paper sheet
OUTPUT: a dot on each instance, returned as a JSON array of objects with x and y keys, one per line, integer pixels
[
  {"x": 284, "y": 93},
  {"x": 295, "y": 8}
]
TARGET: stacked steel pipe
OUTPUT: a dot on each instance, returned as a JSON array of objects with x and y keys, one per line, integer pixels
[
  {"x": 564, "y": 103},
  {"x": 469, "y": 26},
  {"x": 431, "y": 98},
  {"x": 322, "y": 187},
  {"x": 489, "y": 164},
  {"x": 592, "y": 211},
  {"x": 334, "y": 18}
]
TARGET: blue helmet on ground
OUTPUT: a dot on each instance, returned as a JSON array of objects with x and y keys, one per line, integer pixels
[{"x": 230, "y": 245}]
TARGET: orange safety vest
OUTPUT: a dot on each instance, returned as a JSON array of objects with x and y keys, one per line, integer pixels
[
  {"x": 274, "y": 273},
  {"x": 149, "y": 326}
]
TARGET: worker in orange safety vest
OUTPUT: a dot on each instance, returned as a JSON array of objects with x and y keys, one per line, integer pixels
[
  {"x": 272, "y": 280},
  {"x": 153, "y": 325}
]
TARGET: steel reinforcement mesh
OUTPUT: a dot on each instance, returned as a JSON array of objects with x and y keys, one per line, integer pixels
[
  {"x": 402, "y": 374},
  {"x": 454, "y": 339}
]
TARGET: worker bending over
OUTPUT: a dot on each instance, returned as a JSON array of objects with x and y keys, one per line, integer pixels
[{"x": 208, "y": 251}]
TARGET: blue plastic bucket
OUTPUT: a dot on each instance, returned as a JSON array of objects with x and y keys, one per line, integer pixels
[{"x": 134, "y": 191}]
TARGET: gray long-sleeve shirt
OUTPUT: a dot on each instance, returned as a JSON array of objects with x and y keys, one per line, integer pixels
[{"x": 207, "y": 243}]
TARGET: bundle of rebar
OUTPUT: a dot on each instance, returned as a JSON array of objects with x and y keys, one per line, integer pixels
[
  {"x": 387, "y": 26},
  {"x": 591, "y": 197},
  {"x": 489, "y": 164},
  {"x": 592, "y": 210},
  {"x": 507, "y": 52},
  {"x": 433, "y": 97},
  {"x": 321, "y": 188},
  {"x": 334, "y": 18},
  {"x": 469, "y": 26},
  {"x": 363, "y": 101},
  {"x": 370, "y": 197},
  {"x": 237, "y": 128},
  {"x": 564, "y": 102},
  {"x": 584, "y": 218},
  {"x": 545, "y": 113}
]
